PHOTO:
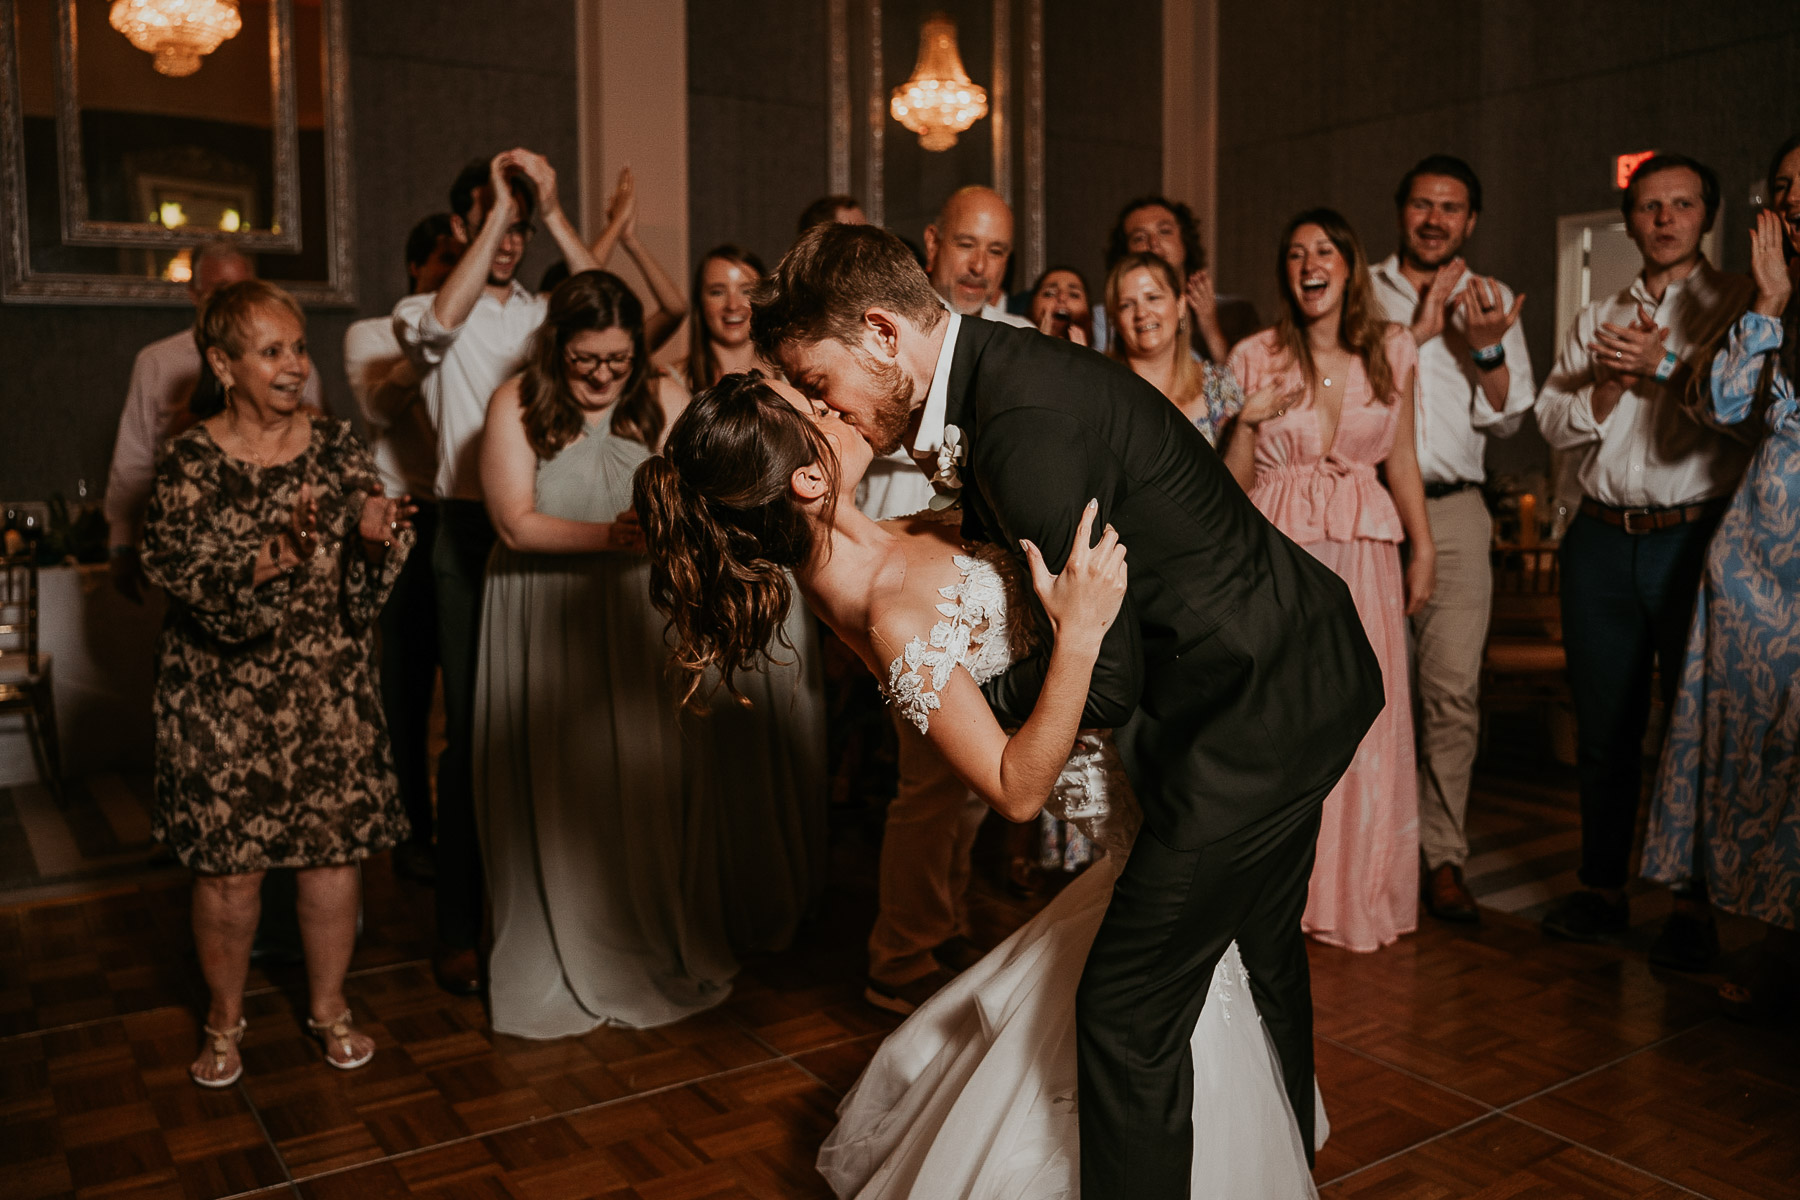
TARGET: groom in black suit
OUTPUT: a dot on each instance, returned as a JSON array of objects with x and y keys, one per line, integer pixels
[{"x": 1237, "y": 679}]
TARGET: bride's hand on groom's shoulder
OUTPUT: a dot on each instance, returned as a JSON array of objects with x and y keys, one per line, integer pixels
[{"x": 1084, "y": 599}]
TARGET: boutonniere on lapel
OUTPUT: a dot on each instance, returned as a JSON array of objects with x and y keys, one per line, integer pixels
[{"x": 946, "y": 481}]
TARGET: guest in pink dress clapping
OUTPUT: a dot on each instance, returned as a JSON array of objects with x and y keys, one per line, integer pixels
[{"x": 1307, "y": 452}]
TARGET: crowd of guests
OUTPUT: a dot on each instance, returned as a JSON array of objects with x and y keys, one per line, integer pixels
[{"x": 604, "y": 844}]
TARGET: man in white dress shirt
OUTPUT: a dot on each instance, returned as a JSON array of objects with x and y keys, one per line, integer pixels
[
  {"x": 1654, "y": 484},
  {"x": 464, "y": 340},
  {"x": 156, "y": 409},
  {"x": 404, "y": 444},
  {"x": 920, "y": 938},
  {"x": 1474, "y": 383}
]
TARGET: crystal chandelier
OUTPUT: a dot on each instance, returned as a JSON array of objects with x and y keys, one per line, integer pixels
[
  {"x": 178, "y": 32},
  {"x": 939, "y": 101}
]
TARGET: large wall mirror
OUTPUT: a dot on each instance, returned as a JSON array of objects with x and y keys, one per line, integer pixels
[{"x": 131, "y": 131}]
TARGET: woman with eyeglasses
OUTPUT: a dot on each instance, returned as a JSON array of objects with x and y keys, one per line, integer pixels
[{"x": 602, "y": 882}]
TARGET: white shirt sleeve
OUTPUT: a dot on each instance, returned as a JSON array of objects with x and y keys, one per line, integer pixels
[
  {"x": 133, "y": 469},
  {"x": 1565, "y": 406},
  {"x": 1521, "y": 388},
  {"x": 422, "y": 336}
]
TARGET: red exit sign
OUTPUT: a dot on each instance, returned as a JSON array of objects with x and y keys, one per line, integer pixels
[{"x": 1625, "y": 164}]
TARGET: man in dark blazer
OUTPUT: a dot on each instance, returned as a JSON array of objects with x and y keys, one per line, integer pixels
[{"x": 1237, "y": 679}]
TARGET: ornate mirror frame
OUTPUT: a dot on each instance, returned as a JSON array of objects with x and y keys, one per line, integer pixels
[{"x": 21, "y": 284}]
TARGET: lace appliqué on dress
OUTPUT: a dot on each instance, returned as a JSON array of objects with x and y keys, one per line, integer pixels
[{"x": 975, "y": 634}]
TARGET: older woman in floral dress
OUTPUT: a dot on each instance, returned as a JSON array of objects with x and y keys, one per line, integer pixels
[
  {"x": 1726, "y": 808},
  {"x": 268, "y": 530}
]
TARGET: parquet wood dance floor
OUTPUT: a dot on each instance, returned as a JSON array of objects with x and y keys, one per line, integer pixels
[{"x": 1484, "y": 1063}]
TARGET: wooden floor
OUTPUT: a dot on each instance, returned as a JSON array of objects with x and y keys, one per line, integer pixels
[{"x": 1484, "y": 1063}]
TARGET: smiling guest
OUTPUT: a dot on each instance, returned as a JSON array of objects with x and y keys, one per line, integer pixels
[
  {"x": 269, "y": 532},
  {"x": 1307, "y": 449},
  {"x": 1474, "y": 383},
  {"x": 464, "y": 340},
  {"x": 1654, "y": 485},
  {"x": 1149, "y": 319},
  {"x": 1167, "y": 228},
  {"x": 601, "y": 878},
  {"x": 967, "y": 250},
  {"x": 719, "y": 317},
  {"x": 1060, "y": 305}
]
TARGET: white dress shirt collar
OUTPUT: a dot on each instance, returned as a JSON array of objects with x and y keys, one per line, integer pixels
[{"x": 937, "y": 400}]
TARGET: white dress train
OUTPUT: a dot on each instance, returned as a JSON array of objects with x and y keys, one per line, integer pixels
[{"x": 974, "y": 1096}]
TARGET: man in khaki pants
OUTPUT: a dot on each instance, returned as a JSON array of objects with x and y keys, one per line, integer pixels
[{"x": 1474, "y": 383}]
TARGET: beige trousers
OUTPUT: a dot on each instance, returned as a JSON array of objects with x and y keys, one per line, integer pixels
[
  {"x": 1449, "y": 636},
  {"x": 924, "y": 880}
]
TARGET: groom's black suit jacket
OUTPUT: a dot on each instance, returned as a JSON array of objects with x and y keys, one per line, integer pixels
[{"x": 1238, "y": 676}]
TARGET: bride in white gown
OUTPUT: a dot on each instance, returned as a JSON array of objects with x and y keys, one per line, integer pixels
[{"x": 975, "y": 1094}]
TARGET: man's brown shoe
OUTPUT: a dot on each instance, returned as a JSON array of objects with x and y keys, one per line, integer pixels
[
  {"x": 1448, "y": 899},
  {"x": 458, "y": 972}
]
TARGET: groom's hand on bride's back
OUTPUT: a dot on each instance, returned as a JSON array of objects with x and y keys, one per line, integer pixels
[{"x": 1083, "y": 601}]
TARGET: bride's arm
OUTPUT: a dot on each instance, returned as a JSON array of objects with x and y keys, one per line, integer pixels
[{"x": 1013, "y": 775}]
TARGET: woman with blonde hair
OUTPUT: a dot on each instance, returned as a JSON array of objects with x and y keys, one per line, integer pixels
[
  {"x": 1332, "y": 387},
  {"x": 269, "y": 532},
  {"x": 1149, "y": 320}
]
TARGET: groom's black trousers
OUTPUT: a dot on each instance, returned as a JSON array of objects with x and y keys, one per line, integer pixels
[{"x": 1173, "y": 914}]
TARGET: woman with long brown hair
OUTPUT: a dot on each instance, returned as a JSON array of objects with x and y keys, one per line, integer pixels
[
  {"x": 1331, "y": 390},
  {"x": 602, "y": 881},
  {"x": 719, "y": 317}
]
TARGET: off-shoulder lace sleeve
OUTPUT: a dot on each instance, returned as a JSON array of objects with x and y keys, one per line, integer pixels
[{"x": 974, "y": 635}]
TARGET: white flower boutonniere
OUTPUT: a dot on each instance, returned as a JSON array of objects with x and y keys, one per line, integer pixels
[{"x": 946, "y": 481}]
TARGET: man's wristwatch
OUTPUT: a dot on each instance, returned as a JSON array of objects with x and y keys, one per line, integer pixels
[{"x": 1489, "y": 357}]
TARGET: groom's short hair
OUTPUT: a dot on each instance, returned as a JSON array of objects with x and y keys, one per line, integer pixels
[{"x": 829, "y": 278}]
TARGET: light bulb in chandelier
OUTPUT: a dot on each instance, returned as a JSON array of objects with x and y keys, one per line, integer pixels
[
  {"x": 179, "y": 33},
  {"x": 940, "y": 100}
]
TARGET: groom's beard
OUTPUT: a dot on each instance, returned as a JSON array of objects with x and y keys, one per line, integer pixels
[{"x": 893, "y": 409}]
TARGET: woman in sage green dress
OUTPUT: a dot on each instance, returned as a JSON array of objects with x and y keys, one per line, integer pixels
[{"x": 601, "y": 855}]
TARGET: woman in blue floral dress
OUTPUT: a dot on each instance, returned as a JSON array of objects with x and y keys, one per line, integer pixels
[{"x": 1727, "y": 800}]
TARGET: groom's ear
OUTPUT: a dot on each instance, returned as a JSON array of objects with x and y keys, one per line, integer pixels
[{"x": 882, "y": 332}]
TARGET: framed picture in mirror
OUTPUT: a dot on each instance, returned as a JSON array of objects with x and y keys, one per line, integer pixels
[{"x": 133, "y": 131}]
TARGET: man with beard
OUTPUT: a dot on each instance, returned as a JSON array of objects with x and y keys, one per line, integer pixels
[
  {"x": 1474, "y": 383},
  {"x": 464, "y": 340},
  {"x": 1237, "y": 677},
  {"x": 967, "y": 250}
]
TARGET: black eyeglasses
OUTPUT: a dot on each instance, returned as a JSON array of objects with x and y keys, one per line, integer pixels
[{"x": 588, "y": 365}]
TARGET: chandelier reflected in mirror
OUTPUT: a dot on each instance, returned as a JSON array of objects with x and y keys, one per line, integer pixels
[
  {"x": 178, "y": 32},
  {"x": 939, "y": 101}
]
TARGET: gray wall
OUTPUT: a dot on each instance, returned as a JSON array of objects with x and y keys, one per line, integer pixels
[
  {"x": 1329, "y": 103},
  {"x": 757, "y": 123},
  {"x": 1102, "y": 124},
  {"x": 433, "y": 84}
]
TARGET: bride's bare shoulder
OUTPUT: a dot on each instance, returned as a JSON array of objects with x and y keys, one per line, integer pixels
[{"x": 903, "y": 603}]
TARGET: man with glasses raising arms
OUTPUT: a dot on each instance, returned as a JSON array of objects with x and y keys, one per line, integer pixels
[{"x": 465, "y": 339}]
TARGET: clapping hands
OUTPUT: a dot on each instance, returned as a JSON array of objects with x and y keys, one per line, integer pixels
[
  {"x": 382, "y": 518},
  {"x": 1629, "y": 353}
]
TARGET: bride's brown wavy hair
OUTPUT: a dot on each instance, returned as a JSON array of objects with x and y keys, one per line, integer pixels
[{"x": 724, "y": 529}]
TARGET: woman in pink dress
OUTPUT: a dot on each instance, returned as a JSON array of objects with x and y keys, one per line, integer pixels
[{"x": 1307, "y": 451}]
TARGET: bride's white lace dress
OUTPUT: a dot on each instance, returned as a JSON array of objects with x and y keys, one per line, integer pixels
[{"x": 974, "y": 1096}]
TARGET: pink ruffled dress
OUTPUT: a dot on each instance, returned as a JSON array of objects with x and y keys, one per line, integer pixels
[{"x": 1365, "y": 883}]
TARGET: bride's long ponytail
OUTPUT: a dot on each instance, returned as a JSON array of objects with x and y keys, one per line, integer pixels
[{"x": 723, "y": 529}]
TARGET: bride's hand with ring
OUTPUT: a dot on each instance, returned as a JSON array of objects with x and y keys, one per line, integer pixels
[{"x": 1084, "y": 599}]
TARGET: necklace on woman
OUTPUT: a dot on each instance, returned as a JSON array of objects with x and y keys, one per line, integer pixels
[{"x": 261, "y": 460}]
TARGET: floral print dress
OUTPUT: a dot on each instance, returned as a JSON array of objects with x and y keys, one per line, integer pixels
[
  {"x": 271, "y": 750},
  {"x": 1726, "y": 807}
]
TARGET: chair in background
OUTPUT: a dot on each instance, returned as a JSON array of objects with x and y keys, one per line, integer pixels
[
  {"x": 25, "y": 685},
  {"x": 1524, "y": 667}
]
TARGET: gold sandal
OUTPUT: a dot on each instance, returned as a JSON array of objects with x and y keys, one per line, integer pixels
[
  {"x": 221, "y": 1043},
  {"x": 339, "y": 1029}
]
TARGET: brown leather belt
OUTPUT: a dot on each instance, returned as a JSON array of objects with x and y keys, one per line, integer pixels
[{"x": 1648, "y": 520}]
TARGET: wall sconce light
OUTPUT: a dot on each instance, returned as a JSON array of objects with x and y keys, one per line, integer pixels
[
  {"x": 939, "y": 101},
  {"x": 178, "y": 32}
]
